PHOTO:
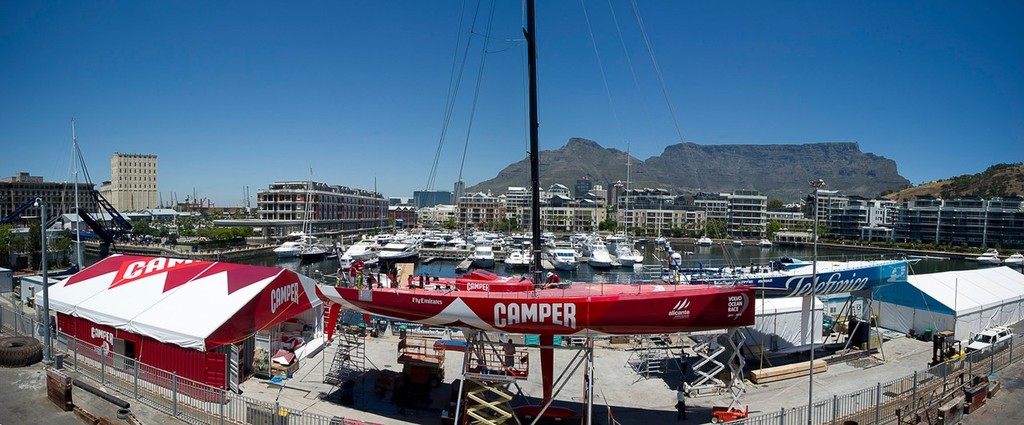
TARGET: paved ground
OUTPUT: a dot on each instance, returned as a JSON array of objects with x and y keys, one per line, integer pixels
[
  {"x": 23, "y": 400},
  {"x": 629, "y": 397}
]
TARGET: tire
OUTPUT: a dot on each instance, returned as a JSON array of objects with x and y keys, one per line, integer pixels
[{"x": 20, "y": 351}]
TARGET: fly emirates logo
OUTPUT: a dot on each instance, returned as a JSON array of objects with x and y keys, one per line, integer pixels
[{"x": 559, "y": 314}]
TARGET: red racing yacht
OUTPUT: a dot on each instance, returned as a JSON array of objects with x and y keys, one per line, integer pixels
[{"x": 583, "y": 308}]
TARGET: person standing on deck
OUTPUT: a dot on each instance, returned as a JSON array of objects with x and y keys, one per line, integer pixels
[{"x": 681, "y": 402}]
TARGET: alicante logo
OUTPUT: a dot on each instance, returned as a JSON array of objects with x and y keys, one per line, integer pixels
[{"x": 681, "y": 310}]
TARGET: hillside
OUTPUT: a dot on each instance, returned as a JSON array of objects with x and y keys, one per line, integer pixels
[
  {"x": 779, "y": 171},
  {"x": 997, "y": 180}
]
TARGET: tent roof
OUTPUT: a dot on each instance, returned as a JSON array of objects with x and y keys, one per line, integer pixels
[
  {"x": 183, "y": 302},
  {"x": 964, "y": 291}
]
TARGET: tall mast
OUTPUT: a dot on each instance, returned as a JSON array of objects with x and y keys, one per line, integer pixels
[
  {"x": 547, "y": 360},
  {"x": 78, "y": 227},
  {"x": 531, "y": 42}
]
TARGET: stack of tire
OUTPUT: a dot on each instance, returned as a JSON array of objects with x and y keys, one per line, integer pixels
[{"x": 20, "y": 351}]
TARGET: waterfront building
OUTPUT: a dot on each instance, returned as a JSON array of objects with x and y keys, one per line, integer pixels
[
  {"x": 970, "y": 221},
  {"x": 747, "y": 213},
  {"x": 862, "y": 218},
  {"x": 58, "y": 196},
  {"x": 583, "y": 186},
  {"x": 479, "y": 209},
  {"x": 133, "y": 182},
  {"x": 555, "y": 189},
  {"x": 714, "y": 205},
  {"x": 436, "y": 215},
  {"x": 459, "y": 189},
  {"x": 430, "y": 198},
  {"x": 332, "y": 209},
  {"x": 518, "y": 197},
  {"x": 615, "y": 191},
  {"x": 571, "y": 217},
  {"x": 403, "y": 216},
  {"x": 792, "y": 220},
  {"x": 646, "y": 198}
]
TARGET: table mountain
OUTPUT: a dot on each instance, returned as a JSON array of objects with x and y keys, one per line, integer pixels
[{"x": 779, "y": 171}]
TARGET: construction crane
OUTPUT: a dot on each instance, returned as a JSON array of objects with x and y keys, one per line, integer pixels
[{"x": 17, "y": 211}]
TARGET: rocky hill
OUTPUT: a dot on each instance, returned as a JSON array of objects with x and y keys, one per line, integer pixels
[
  {"x": 997, "y": 180},
  {"x": 779, "y": 171}
]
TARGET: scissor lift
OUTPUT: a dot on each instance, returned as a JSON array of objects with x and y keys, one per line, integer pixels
[{"x": 491, "y": 370}]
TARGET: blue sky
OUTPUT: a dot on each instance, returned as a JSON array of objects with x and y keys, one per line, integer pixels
[{"x": 231, "y": 94}]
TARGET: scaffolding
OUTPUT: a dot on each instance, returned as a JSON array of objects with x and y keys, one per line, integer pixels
[
  {"x": 653, "y": 355},
  {"x": 349, "y": 358}
]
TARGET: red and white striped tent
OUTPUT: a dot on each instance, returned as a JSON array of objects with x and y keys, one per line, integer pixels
[
  {"x": 192, "y": 304},
  {"x": 168, "y": 307}
]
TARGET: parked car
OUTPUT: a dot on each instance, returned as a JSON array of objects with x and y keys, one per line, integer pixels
[{"x": 992, "y": 337}]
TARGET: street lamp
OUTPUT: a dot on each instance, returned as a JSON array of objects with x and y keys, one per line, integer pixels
[
  {"x": 817, "y": 185},
  {"x": 46, "y": 291}
]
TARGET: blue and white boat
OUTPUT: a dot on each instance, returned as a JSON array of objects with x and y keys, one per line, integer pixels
[{"x": 791, "y": 277}]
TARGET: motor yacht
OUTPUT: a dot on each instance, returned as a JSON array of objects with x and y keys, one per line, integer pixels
[
  {"x": 599, "y": 258},
  {"x": 399, "y": 251},
  {"x": 989, "y": 257},
  {"x": 1015, "y": 260},
  {"x": 483, "y": 257}
]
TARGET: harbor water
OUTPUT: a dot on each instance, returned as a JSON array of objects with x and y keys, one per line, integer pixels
[{"x": 708, "y": 257}]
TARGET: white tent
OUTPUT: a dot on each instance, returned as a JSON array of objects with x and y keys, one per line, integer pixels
[
  {"x": 192, "y": 304},
  {"x": 780, "y": 323},
  {"x": 966, "y": 301}
]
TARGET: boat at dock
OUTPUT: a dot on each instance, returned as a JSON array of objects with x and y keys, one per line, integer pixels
[
  {"x": 563, "y": 258},
  {"x": 790, "y": 277},
  {"x": 1015, "y": 260},
  {"x": 989, "y": 257},
  {"x": 483, "y": 256}
]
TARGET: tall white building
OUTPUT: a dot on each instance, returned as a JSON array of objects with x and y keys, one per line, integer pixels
[{"x": 133, "y": 182}]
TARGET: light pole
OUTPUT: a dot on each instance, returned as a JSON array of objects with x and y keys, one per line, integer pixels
[
  {"x": 817, "y": 185},
  {"x": 46, "y": 286}
]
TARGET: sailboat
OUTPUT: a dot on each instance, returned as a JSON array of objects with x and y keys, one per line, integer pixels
[
  {"x": 309, "y": 245},
  {"x": 576, "y": 309}
]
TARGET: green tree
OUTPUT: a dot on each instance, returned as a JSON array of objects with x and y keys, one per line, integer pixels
[
  {"x": 608, "y": 225},
  {"x": 772, "y": 228},
  {"x": 775, "y": 205},
  {"x": 715, "y": 228},
  {"x": 35, "y": 245},
  {"x": 7, "y": 242},
  {"x": 63, "y": 245}
]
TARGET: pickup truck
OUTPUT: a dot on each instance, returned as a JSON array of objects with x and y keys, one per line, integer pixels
[{"x": 992, "y": 337}]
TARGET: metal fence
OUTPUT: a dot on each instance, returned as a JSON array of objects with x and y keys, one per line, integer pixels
[
  {"x": 184, "y": 399},
  {"x": 902, "y": 398},
  {"x": 195, "y": 402}
]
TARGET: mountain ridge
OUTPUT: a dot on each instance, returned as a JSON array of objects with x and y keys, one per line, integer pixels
[{"x": 779, "y": 171}]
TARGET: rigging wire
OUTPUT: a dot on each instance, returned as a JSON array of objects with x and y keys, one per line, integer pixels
[
  {"x": 454, "y": 83},
  {"x": 476, "y": 92},
  {"x": 664, "y": 88},
  {"x": 600, "y": 67}
]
